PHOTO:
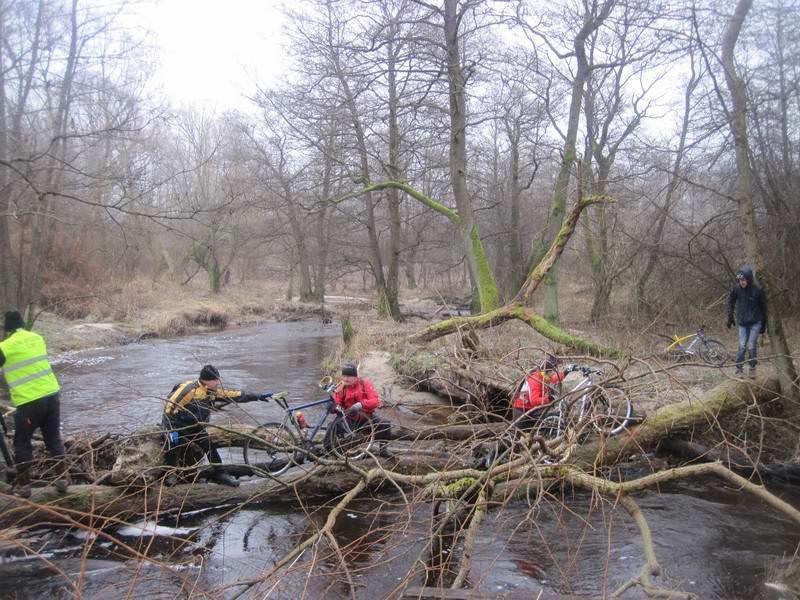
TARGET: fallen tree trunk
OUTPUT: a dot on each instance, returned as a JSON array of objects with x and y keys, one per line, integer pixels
[
  {"x": 477, "y": 384},
  {"x": 149, "y": 499},
  {"x": 718, "y": 402},
  {"x": 118, "y": 504},
  {"x": 522, "y": 313},
  {"x": 733, "y": 458}
]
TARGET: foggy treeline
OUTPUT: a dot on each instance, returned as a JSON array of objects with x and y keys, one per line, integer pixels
[{"x": 499, "y": 115}]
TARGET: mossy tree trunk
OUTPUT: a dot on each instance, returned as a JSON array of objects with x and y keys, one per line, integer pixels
[
  {"x": 486, "y": 282},
  {"x": 480, "y": 272},
  {"x": 558, "y": 199}
]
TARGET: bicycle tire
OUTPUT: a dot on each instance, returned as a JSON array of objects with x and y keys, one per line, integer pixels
[
  {"x": 611, "y": 410},
  {"x": 348, "y": 443},
  {"x": 549, "y": 427},
  {"x": 660, "y": 348},
  {"x": 714, "y": 352},
  {"x": 6, "y": 452},
  {"x": 273, "y": 447}
]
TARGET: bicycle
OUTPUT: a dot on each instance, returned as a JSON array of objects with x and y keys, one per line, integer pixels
[
  {"x": 276, "y": 447},
  {"x": 3, "y": 445},
  {"x": 607, "y": 410},
  {"x": 679, "y": 347}
]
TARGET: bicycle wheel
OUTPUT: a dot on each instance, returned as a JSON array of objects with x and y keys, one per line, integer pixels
[
  {"x": 549, "y": 428},
  {"x": 273, "y": 448},
  {"x": 611, "y": 410},
  {"x": 662, "y": 347},
  {"x": 349, "y": 441},
  {"x": 714, "y": 352}
]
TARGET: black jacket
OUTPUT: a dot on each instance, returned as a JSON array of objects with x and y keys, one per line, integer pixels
[
  {"x": 190, "y": 403},
  {"x": 750, "y": 303}
]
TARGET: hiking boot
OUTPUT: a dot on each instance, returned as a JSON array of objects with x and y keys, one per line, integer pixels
[
  {"x": 752, "y": 373},
  {"x": 225, "y": 479},
  {"x": 62, "y": 483},
  {"x": 22, "y": 485}
]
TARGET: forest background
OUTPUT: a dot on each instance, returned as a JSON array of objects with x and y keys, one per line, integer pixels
[{"x": 488, "y": 119}]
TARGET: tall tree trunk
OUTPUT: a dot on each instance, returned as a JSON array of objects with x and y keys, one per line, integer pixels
[
  {"x": 479, "y": 270},
  {"x": 738, "y": 123},
  {"x": 42, "y": 221},
  {"x": 515, "y": 265},
  {"x": 8, "y": 291},
  {"x": 323, "y": 241},
  {"x": 392, "y": 307},
  {"x": 376, "y": 262},
  {"x": 558, "y": 199}
]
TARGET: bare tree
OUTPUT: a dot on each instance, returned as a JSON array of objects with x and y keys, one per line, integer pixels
[
  {"x": 737, "y": 114},
  {"x": 591, "y": 19}
]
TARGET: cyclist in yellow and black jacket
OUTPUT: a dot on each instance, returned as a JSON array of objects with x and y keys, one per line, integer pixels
[{"x": 188, "y": 410}]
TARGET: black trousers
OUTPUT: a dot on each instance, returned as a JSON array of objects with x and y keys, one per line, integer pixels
[
  {"x": 197, "y": 435},
  {"x": 526, "y": 420},
  {"x": 383, "y": 428},
  {"x": 44, "y": 414}
]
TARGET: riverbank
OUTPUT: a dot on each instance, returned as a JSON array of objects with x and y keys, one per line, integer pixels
[{"x": 160, "y": 312}]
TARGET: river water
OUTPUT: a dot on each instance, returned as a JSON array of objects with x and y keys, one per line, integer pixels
[{"x": 711, "y": 540}]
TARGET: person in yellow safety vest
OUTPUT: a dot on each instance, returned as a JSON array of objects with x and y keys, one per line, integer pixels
[{"x": 34, "y": 393}]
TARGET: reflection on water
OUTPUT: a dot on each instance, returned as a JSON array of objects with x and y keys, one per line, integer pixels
[
  {"x": 717, "y": 546},
  {"x": 120, "y": 389}
]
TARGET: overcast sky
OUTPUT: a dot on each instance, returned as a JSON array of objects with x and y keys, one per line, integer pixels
[{"x": 211, "y": 50}]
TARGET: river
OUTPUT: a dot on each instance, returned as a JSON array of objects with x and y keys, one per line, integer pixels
[{"x": 711, "y": 540}]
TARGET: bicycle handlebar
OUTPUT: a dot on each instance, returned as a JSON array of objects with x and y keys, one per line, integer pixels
[
  {"x": 591, "y": 371},
  {"x": 280, "y": 400}
]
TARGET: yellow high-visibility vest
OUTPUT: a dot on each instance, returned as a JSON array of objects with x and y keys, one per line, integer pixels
[{"x": 27, "y": 369}]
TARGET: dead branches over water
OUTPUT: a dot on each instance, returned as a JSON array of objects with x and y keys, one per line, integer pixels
[{"x": 431, "y": 507}]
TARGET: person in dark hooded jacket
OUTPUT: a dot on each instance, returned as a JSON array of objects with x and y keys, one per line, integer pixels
[{"x": 748, "y": 302}]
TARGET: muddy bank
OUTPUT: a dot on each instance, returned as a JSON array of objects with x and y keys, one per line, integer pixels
[{"x": 65, "y": 335}]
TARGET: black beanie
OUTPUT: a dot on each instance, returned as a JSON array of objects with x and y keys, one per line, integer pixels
[
  {"x": 550, "y": 363},
  {"x": 13, "y": 321},
  {"x": 208, "y": 373},
  {"x": 350, "y": 369}
]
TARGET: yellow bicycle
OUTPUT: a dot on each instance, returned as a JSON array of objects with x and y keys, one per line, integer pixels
[{"x": 686, "y": 347}]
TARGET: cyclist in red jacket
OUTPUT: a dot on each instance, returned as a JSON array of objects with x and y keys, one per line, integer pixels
[
  {"x": 358, "y": 399},
  {"x": 535, "y": 391}
]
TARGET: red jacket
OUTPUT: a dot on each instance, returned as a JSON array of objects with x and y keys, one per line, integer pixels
[
  {"x": 533, "y": 392},
  {"x": 361, "y": 391}
]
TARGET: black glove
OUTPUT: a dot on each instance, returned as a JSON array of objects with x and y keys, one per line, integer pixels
[
  {"x": 265, "y": 396},
  {"x": 731, "y": 322},
  {"x": 333, "y": 408},
  {"x": 356, "y": 408},
  {"x": 248, "y": 397}
]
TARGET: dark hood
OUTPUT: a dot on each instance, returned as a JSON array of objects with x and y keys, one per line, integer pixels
[{"x": 747, "y": 273}]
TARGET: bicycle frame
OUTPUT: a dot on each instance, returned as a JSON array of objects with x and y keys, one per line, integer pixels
[
  {"x": 563, "y": 404},
  {"x": 3, "y": 445},
  {"x": 291, "y": 410},
  {"x": 678, "y": 342}
]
